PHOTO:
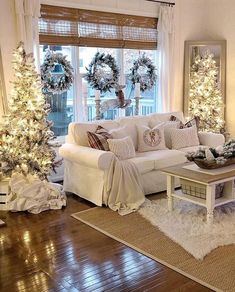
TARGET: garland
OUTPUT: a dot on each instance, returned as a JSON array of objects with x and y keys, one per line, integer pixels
[
  {"x": 146, "y": 79},
  {"x": 97, "y": 75},
  {"x": 54, "y": 80}
]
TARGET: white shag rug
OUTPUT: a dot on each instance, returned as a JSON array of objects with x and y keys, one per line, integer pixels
[{"x": 187, "y": 226}]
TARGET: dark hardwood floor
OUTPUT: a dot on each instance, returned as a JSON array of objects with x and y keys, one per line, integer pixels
[{"x": 52, "y": 251}]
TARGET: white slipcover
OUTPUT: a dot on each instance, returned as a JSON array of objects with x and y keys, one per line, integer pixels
[
  {"x": 155, "y": 160},
  {"x": 211, "y": 139},
  {"x": 86, "y": 156},
  {"x": 86, "y": 168},
  {"x": 164, "y": 117}
]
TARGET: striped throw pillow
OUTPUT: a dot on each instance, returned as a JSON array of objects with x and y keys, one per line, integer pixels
[
  {"x": 98, "y": 139},
  {"x": 193, "y": 122}
]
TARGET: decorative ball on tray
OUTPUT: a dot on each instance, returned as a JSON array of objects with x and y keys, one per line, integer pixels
[{"x": 212, "y": 158}]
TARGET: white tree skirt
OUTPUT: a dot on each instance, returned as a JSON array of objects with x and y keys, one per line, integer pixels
[
  {"x": 187, "y": 226},
  {"x": 29, "y": 193}
]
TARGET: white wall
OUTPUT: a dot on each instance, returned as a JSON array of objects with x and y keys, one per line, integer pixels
[
  {"x": 221, "y": 25},
  {"x": 190, "y": 25},
  {"x": 136, "y": 7}
]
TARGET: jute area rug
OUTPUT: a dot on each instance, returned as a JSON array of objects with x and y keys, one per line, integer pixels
[{"x": 216, "y": 271}]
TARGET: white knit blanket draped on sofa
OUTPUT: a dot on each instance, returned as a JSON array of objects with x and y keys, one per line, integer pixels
[{"x": 123, "y": 188}]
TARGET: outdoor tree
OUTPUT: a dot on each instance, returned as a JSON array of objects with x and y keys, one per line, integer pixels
[{"x": 205, "y": 97}]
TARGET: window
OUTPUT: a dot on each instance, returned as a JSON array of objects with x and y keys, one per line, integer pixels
[
  {"x": 63, "y": 106},
  {"x": 148, "y": 102},
  {"x": 79, "y": 34}
]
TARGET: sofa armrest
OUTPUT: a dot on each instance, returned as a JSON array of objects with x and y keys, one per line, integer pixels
[
  {"x": 211, "y": 139},
  {"x": 86, "y": 156}
]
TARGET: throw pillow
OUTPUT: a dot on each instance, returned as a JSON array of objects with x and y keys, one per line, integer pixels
[
  {"x": 123, "y": 148},
  {"x": 119, "y": 133},
  {"x": 193, "y": 122},
  {"x": 167, "y": 132},
  {"x": 98, "y": 139},
  {"x": 186, "y": 137},
  {"x": 151, "y": 139},
  {"x": 157, "y": 118}
]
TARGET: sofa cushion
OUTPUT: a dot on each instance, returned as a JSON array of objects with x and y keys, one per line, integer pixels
[
  {"x": 193, "y": 122},
  {"x": 166, "y": 158},
  {"x": 118, "y": 133},
  {"x": 164, "y": 117},
  {"x": 156, "y": 160},
  {"x": 192, "y": 148},
  {"x": 108, "y": 124},
  {"x": 144, "y": 164},
  {"x": 78, "y": 131},
  {"x": 130, "y": 123}
]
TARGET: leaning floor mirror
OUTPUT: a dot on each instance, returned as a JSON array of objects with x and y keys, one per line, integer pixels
[
  {"x": 200, "y": 57},
  {"x": 3, "y": 100}
]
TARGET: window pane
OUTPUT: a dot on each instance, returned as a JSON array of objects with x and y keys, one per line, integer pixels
[
  {"x": 61, "y": 104},
  {"x": 86, "y": 55},
  {"x": 149, "y": 97}
]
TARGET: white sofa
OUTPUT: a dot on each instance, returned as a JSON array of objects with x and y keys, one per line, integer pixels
[{"x": 85, "y": 167}]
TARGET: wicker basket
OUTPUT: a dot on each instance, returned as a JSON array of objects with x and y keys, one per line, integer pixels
[
  {"x": 202, "y": 163},
  {"x": 199, "y": 190}
]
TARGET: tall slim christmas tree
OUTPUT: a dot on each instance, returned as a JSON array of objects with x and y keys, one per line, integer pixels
[
  {"x": 26, "y": 133},
  {"x": 205, "y": 97}
]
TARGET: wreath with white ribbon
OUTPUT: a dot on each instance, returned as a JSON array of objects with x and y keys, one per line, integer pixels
[
  {"x": 143, "y": 71},
  {"x": 103, "y": 72},
  {"x": 56, "y": 73}
]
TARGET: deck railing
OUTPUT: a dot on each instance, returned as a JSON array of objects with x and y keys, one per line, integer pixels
[{"x": 146, "y": 107}]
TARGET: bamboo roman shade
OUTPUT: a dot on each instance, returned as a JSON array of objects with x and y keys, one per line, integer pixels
[{"x": 70, "y": 26}]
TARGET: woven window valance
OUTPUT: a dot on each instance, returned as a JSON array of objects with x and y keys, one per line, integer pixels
[{"x": 70, "y": 26}]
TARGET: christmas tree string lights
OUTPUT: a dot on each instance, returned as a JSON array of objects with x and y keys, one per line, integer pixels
[
  {"x": 205, "y": 97},
  {"x": 25, "y": 134}
]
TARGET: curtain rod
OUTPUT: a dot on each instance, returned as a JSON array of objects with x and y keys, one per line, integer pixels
[{"x": 162, "y": 2}]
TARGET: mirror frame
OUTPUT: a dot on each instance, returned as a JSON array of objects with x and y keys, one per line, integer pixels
[
  {"x": 3, "y": 96},
  {"x": 187, "y": 64}
]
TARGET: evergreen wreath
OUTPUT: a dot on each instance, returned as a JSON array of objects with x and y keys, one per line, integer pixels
[
  {"x": 97, "y": 75},
  {"x": 148, "y": 78},
  {"x": 56, "y": 73}
]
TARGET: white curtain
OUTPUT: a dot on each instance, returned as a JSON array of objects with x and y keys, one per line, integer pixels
[
  {"x": 165, "y": 48},
  {"x": 27, "y": 15}
]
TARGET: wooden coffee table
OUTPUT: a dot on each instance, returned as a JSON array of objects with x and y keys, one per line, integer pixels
[{"x": 208, "y": 180}]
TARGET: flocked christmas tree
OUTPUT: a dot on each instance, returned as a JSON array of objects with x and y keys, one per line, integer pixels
[
  {"x": 205, "y": 97},
  {"x": 25, "y": 135}
]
